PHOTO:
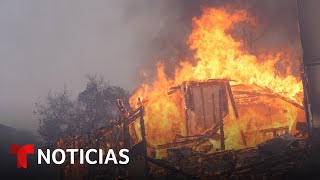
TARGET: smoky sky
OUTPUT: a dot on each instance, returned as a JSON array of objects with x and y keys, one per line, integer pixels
[
  {"x": 47, "y": 45},
  {"x": 277, "y": 26}
]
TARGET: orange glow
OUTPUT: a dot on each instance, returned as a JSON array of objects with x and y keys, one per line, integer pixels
[{"x": 219, "y": 55}]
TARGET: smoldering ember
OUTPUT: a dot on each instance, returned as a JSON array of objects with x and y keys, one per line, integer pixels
[{"x": 223, "y": 110}]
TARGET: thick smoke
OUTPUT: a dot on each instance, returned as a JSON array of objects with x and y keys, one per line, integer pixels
[
  {"x": 49, "y": 44},
  {"x": 277, "y": 29}
]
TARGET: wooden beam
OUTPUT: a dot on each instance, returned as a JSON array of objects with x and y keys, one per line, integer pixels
[
  {"x": 233, "y": 103},
  {"x": 222, "y": 145}
]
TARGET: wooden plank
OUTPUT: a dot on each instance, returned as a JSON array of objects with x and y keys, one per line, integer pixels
[
  {"x": 214, "y": 110},
  {"x": 203, "y": 108},
  {"x": 144, "y": 140},
  {"x": 222, "y": 144},
  {"x": 191, "y": 139},
  {"x": 233, "y": 103}
]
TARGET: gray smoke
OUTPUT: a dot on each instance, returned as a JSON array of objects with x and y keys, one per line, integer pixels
[
  {"x": 51, "y": 44},
  {"x": 277, "y": 28}
]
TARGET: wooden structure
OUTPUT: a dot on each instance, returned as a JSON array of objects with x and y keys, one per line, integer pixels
[
  {"x": 206, "y": 105},
  {"x": 115, "y": 137}
]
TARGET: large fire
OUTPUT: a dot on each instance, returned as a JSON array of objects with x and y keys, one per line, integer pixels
[{"x": 219, "y": 55}]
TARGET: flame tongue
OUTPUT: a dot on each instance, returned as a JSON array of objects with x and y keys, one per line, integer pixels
[{"x": 218, "y": 55}]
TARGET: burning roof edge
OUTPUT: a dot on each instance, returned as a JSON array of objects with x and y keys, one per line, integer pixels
[{"x": 263, "y": 91}]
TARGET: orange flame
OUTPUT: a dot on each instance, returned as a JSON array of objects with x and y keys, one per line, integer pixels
[{"x": 218, "y": 55}]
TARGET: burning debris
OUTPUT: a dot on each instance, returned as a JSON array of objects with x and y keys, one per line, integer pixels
[
  {"x": 216, "y": 116},
  {"x": 201, "y": 153},
  {"x": 210, "y": 105},
  {"x": 248, "y": 162},
  {"x": 209, "y": 120},
  {"x": 229, "y": 114},
  {"x": 264, "y": 97}
]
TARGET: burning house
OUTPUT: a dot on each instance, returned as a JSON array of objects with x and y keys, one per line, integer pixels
[
  {"x": 258, "y": 92},
  {"x": 213, "y": 121},
  {"x": 213, "y": 107},
  {"x": 229, "y": 109}
]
